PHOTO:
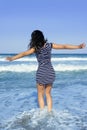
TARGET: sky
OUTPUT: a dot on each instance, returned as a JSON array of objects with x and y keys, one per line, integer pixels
[{"x": 61, "y": 21}]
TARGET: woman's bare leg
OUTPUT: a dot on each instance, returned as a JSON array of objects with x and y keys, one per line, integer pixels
[
  {"x": 41, "y": 89},
  {"x": 48, "y": 97}
]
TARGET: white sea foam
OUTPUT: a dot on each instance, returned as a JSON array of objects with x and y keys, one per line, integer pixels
[
  {"x": 33, "y": 59},
  {"x": 42, "y": 120},
  {"x": 18, "y": 68},
  {"x": 69, "y": 59},
  {"x": 63, "y": 67},
  {"x": 33, "y": 67},
  {"x": 21, "y": 59}
]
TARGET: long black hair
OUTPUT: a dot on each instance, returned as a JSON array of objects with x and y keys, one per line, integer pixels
[{"x": 37, "y": 40}]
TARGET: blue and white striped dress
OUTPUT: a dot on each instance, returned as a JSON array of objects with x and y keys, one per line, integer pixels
[{"x": 45, "y": 73}]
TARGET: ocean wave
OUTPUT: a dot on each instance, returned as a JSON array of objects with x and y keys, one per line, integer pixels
[
  {"x": 33, "y": 67},
  {"x": 42, "y": 120},
  {"x": 69, "y": 59},
  {"x": 21, "y": 59},
  {"x": 33, "y": 59}
]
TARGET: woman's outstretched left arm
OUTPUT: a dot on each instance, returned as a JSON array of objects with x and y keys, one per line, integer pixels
[
  {"x": 20, "y": 55},
  {"x": 68, "y": 46}
]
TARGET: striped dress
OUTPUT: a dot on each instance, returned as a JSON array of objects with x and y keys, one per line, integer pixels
[{"x": 45, "y": 73}]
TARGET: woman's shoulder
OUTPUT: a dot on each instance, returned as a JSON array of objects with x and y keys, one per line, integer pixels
[{"x": 49, "y": 44}]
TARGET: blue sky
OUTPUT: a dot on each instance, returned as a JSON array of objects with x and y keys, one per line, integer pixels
[{"x": 62, "y": 21}]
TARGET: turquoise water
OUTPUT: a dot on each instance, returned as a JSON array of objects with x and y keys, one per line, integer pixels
[{"x": 18, "y": 94}]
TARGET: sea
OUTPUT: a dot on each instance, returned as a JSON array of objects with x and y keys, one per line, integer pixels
[{"x": 19, "y": 109}]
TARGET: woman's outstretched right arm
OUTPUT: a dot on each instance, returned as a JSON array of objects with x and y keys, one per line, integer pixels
[{"x": 20, "y": 55}]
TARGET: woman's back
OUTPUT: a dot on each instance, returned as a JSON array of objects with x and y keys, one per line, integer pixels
[
  {"x": 45, "y": 73},
  {"x": 44, "y": 54}
]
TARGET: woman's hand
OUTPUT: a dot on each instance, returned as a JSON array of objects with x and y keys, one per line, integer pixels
[
  {"x": 9, "y": 58},
  {"x": 83, "y": 45}
]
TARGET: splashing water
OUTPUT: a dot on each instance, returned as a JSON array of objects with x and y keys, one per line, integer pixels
[{"x": 43, "y": 120}]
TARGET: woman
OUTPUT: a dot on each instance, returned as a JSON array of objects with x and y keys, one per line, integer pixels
[{"x": 45, "y": 74}]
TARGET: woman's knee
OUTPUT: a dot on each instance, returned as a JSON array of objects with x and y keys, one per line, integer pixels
[
  {"x": 40, "y": 89},
  {"x": 47, "y": 94},
  {"x": 48, "y": 91}
]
